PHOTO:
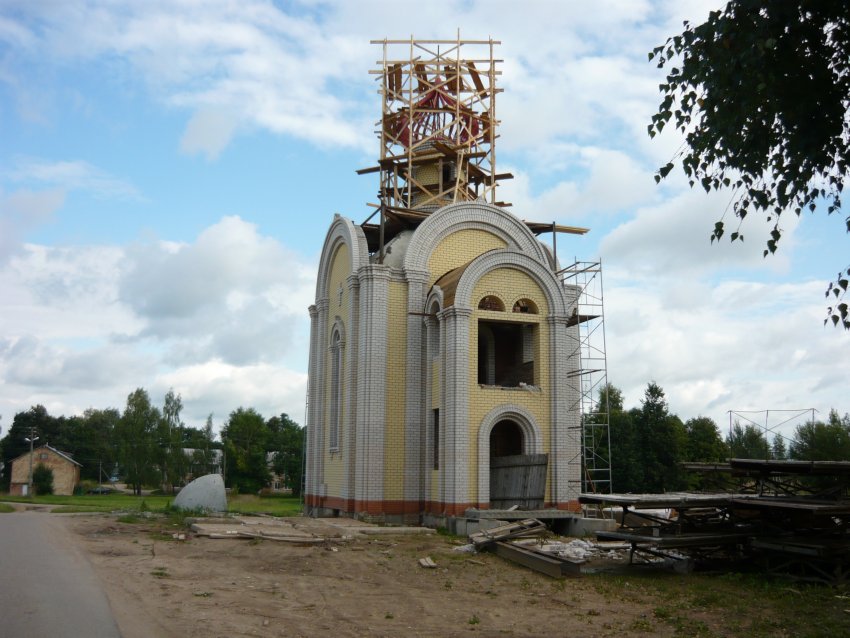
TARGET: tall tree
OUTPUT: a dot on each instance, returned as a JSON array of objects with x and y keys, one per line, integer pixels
[
  {"x": 287, "y": 444},
  {"x": 818, "y": 441},
  {"x": 136, "y": 438},
  {"x": 625, "y": 453},
  {"x": 779, "y": 450},
  {"x": 90, "y": 438},
  {"x": 246, "y": 438},
  {"x": 172, "y": 462},
  {"x": 704, "y": 445},
  {"x": 761, "y": 91},
  {"x": 747, "y": 442},
  {"x": 704, "y": 442},
  {"x": 662, "y": 442}
]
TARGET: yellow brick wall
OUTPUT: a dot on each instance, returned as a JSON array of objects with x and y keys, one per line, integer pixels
[
  {"x": 460, "y": 248},
  {"x": 337, "y": 307},
  {"x": 394, "y": 452},
  {"x": 509, "y": 285}
]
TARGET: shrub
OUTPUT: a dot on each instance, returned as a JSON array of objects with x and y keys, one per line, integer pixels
[{"x": 42, "y": 479}]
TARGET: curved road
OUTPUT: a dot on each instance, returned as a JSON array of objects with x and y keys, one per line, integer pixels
[{"x": 47, "y": 587}]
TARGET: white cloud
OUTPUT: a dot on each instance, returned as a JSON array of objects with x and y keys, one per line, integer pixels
[
  {"x": 218, "y": 388},
  {"x": 73, "y": 175},
  {"x": 22, "y": 211},
  {"x": 602, "y": 181},
  {"x": 208, "y": 133},
  {"x": 715, "y": 347},
  {"x": 674, "y": 236},
  {"x": 83, "y": 326}
]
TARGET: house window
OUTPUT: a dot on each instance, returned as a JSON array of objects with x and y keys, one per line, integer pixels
[
  {"x": 42, "y": 456},
  {"x": 491, "y": 302},
  {"x": 436, "y": 439},
  {"x": 506, "y": 353},
  {"x": 336, "y": 391}
]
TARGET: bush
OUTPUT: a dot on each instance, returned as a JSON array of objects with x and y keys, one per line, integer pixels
[{"x": 42, "y": 479}]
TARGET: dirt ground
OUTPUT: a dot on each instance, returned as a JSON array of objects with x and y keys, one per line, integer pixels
[{"x": 361, "y": 586}]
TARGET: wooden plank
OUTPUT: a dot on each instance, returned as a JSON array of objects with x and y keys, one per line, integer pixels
[
  {"x": 476, "y": 79},
  {"x": 518, "y": 480},
  {"x": 677, "y": 500},
  {"x": 526, "y": 527},
  {"x": 682, "y": 540},
  {"x": 549, "y": 564}
]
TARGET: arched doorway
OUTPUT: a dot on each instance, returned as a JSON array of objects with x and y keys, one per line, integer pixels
[
  {"x": 516, "y": 478},
  {"x": 506, "y": 439}
]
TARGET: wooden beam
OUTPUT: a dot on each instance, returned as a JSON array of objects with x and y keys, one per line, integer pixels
[{"x": 548, "y": 564}]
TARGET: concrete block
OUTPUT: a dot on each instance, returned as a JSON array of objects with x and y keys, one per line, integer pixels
[{"x": 205, "y": 492}]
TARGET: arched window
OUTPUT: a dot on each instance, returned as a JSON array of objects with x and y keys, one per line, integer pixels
[
  {"x": 336, "y": 391},
  {"x": 491, "y": 302},
  {"x": 433, "y": 328},
  {"x": 525, "y": 305}
]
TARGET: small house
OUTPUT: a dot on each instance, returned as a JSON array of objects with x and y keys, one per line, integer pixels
[{"x": 66, "y": 471}]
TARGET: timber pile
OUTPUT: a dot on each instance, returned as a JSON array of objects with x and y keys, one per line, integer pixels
[{"x": 790, "y": 517}]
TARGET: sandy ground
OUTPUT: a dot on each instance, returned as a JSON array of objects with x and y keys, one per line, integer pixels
[{"x": 349, "y": 585}]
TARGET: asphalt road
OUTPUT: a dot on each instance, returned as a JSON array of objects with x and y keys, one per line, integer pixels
[{"x": 47, "y": 587}]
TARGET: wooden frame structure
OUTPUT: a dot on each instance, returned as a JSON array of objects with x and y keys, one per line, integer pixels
[
  {"x": 438, "y": 113},
  {"x": 437, "y": 133},
  {"x": 437, "y": 130}
]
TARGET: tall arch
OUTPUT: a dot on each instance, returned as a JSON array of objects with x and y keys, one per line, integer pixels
[
  {"x": 531, "y": 434},
  {"x": 342, "y": 230},
  {"x": 494, "y": 259},
  {"x": 470, "y": 215}
]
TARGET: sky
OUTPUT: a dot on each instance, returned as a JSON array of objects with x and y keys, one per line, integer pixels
[{"x": 169, "y": 169}]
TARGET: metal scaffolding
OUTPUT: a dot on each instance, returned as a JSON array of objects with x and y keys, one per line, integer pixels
[{"x": 590, "y": 379}]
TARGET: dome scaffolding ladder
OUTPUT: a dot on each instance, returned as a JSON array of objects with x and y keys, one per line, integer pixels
[{"x": 588, "y": 380}]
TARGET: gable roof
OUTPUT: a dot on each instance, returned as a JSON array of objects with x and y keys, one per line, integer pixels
[{"x": 52, "y": 449}]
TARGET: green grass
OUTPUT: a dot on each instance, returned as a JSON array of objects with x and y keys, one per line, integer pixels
[
  {"x": 733, "y": 604},
  {"x": 272, "y": 505},
  {"x": 5, "y": 508},
  {"x": 240, "y": 504}
]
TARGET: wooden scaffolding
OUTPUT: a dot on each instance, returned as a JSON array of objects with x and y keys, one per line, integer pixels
[{"x": 437, "y": 130}]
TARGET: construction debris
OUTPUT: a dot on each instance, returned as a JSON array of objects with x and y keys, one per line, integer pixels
[
  {"x": 497, "y": 539},
  {"x": 519, "y": 529}
]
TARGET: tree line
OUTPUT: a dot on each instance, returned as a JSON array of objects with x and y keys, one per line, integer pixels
[
  {"x": 147, "y": 446},
  {"x": 648, "y": 444}
]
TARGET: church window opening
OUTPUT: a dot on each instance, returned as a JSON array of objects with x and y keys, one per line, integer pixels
[
  {"x": 506, "y": 353},
  {"x": 336, "y": 391},
  {"x": 436, "y": 449},
  {"x": 491, "y": 302},
  {"x": 525, "y": 306}
]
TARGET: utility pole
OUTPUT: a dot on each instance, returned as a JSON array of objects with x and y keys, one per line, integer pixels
[{"x": 32, "y": 439}]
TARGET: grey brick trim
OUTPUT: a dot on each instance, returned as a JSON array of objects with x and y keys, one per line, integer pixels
[
  {"x": 341, "y": 230},
  {"x": 493, "y": 259},
  {"x": 454, "y": 404},
  {"x": 565, "y": 435},
  {"x": 371, "y": 375},
  {"x": 469, "y": 215},
  {"x": 532, "y": 440},
  {"x": 349, "y": 424}
]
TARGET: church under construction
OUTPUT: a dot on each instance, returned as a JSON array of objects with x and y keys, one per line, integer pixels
[{"x": 451, "y": 365}]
